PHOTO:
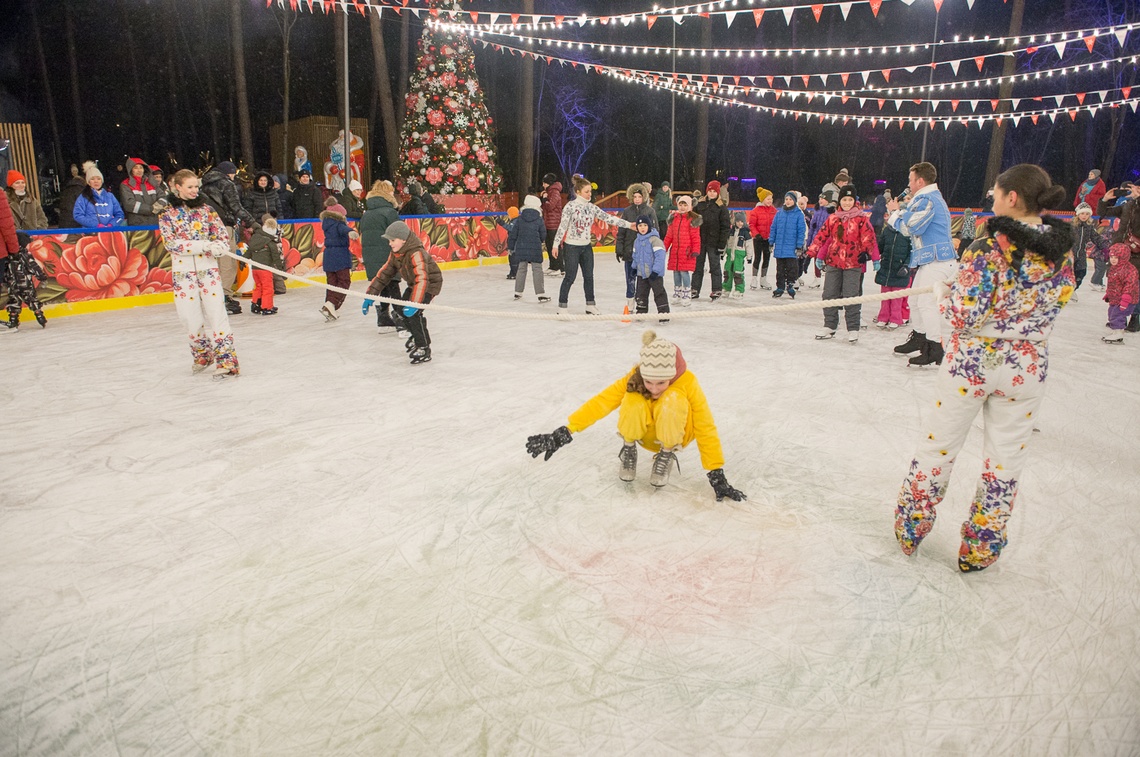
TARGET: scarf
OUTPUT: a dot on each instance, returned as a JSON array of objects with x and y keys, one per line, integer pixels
[
  {"x": 138, "y": 184},
  {"x": 843, "y": 215}
]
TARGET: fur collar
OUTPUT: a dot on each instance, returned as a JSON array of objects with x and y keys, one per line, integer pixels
[
  {"x": 178, "y": 202},
  {"x": 1052, "y": 244},
  {"x": 328, "y": 213}
]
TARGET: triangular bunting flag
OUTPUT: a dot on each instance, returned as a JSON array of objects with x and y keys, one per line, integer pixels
[
  {"x": 1081, "y": 98},
  {"x": 1057, "y": 99},
  {"x": 1015, "y": 119},
  {"x": 778, "y": 93},
  {"x": 787, "y": 80},
  {"x": 771, "y": 80},
  {"x": 558, "y": 20},
  {"x": 970, "y": 4},
  {"x": 862, "y": 75},
  {"x": 827, "y": 99},
  {"x": 805, "y": 78},
  {"x": 1016, "y": 100},
  {"x": 862, "y": 100},
  {"x": 844, "y": 100},
  {"x": 1073, "y": 115},
  {"x": 881, "y": 103},
  {"x": 875, "y": 5},
  {"x": 1090, "y": 41},
  {"x": 910, "y": 69},
  {"x": 736, "y": 80},
  {"x": 844, "y": 77},
  {"x": 994, "y": 105},
  {"x": 817, "y": 11},
  {"x": 1125, "y": 92},
  {"x": 1103, "y": 95},
  {"x": 937, "y": 6},
  {"x": 1133, "y": 104},
  {"x": 494, "y": 18},
  {"x": 788, "y": 14},
  {"x": 730, "y": 16},
  {"x": 954, "y": 66},
  {"x": 954, "y": 105},
  {"x": 822, "y": 79},
  {"x": 980, "y": 60},
  {"x": 650, "y": 20},
  {"x": 874, "y": 122},
  {"x": 1120, "y": 35},
  {"x": 515, "y": 18},
  {"x": 845, "y": 8},
  {"x": 887, "y": 74},
  {"x": 1031, "y": 50},
  {"x": 1034, "y": 117},
  {"x": 473, "y": 14},
  {"x": 1060, "y": 48},
  {"x": 757, "y": 15}
]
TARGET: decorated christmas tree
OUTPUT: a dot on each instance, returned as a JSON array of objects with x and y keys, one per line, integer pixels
[{"x": 448, "y": 137}]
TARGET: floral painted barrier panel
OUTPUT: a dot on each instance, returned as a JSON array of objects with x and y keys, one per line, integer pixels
[{"x": 133, "y": 261}]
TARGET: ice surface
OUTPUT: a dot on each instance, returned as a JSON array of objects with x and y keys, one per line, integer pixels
[{"x": 340, "y": 553}]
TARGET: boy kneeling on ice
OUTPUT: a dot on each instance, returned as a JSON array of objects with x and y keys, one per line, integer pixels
[{"x": 662, "y": 408}]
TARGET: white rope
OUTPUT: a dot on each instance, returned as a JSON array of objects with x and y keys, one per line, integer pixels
[{"x": 563, "y": 315}]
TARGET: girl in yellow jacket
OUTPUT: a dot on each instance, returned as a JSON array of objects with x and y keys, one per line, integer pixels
[{"x": 661, "y": 407}]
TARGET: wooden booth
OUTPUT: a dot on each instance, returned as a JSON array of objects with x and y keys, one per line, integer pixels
[
  {"x": 316, "y": 134},
  {"x": 21, "y": 154}
]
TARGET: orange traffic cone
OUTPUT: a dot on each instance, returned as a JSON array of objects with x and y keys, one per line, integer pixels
[{"x": 625, "y": 311}]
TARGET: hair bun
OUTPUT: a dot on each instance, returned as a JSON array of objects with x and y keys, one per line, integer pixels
[
  {"x": 1052, "y": 197},
  {"x": 648, "y": 337}
]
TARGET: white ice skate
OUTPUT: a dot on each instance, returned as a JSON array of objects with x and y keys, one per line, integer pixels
[
  {"x": 663, "y": 463},
  {"x": 825, "y": 333}
]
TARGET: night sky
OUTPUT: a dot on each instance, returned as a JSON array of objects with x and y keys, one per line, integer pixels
[{"x": 633, "y": 132}]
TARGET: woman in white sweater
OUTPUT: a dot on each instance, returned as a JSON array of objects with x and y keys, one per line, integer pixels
[{"x": 578, "y": 218}]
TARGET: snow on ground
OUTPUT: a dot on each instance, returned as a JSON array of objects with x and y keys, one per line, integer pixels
[{"x": 340, "y": 553}]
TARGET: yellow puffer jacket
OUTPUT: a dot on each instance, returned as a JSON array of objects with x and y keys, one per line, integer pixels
[{"x": 699, "y": 425}]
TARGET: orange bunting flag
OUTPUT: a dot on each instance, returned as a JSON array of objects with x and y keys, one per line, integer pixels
[
  {"x": 981, "y": 59},
  {"x": 651, "y": 20},
  {"x": 1073, "y": 115},
  {"x": 954, "y": 105},
  {"x": 770, "y": 79},
  {"x": 514, "y": 18},
  {"x": 938, "y": 6},
  {"x": 881, "y": 102},
  {"x": 1126, "y": 91},
  {"x": 1090, "y": 41},
  {"x": 805, "y": 78},
  {"x": 817, "y": 11},
  {"x": 1034, "y": 117},
  {"x": 778, "y": 93},
  {"x": 994, "y": 104},
  {"x": 474, "y": 17},
  {"x": 1031, "y": 50},
  {"x": 558, "y": 20},
  {"x": 875, "y": 5},
  {"x": 887, "y": 74},
  {"x": 844, "y": 77},
  {"x": 757, "y": 15},
  {"x": 1081, "y": 98},
  {"x": 874, "y": 122},
  {"x": 843, "y": 99},
  {"x": 435, "y": 12}
]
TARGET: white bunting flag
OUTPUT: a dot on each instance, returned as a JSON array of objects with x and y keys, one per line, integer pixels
[
  {"x": 1120, "y": 35},
  {"x": 788, "y": 14},
  {"x": 954, "y": 66},
  {"x": 970, "y": 4},
  {"x": 845, "y": 8},
  {"x": 1016, "y": 100},
  {"x": 1015, "y": 119},
  {"x": 1057, "y": 99},
  {"x": 1060, "y": 48},
  {"x": 730, "y": 16}
]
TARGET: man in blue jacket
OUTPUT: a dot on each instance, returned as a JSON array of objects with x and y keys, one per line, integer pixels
[{"x": 926, "y": 220}]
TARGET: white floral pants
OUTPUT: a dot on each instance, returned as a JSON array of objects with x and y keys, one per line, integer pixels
[{"x": 200, "y": 303}]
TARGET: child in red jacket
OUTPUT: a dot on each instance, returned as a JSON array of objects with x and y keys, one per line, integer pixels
[
  {"x": 843, "y": 246},
  {"x": 1123, "y": 292},
  {"x": 683, "y": 241}
]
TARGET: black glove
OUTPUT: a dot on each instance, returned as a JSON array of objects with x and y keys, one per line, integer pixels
[
  {"x": 722, "y": 488},
  {"x": 550, "y": 443}
]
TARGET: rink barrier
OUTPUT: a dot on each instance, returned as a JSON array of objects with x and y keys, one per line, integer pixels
[{"x": 563, "y": 314}]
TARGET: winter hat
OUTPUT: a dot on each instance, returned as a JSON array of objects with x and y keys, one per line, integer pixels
[
  {"x": 397, "y": 230},
  {"x": 14, "y": 176},
  {"x": 90, "y": 170},
  {"x": 644, "y": 219},
  {"x": 1096, "y": 173},
  {"x": 1084, "y": 207},
  {"x": 828, "y": 194},
  {"x": 512, "y": 212},
  {"x": 1122, "y": 252},
  {"x": 532, "y": 202},
  {"x": 336, "y": 207},
  {"x": 155, "y": 169},
  {"x": 762, "y": 194},
  {"x": 666, "y": 185},
  {"x": 355, "y": 186},
  {"x": 847, "y": 191},
  {"x": 226, "y": 168},
  {"x": 794, "y": 195},
  {"x": 842, "y": 176},
  {"x": 269, "y": 223},
  {"x": 660, "y": 359},
  {"x": 304, "y": 172},
  {"x": 713, "y": 186}
]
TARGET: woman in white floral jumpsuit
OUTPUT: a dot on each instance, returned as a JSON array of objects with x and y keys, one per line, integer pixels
[
  {"x": 1009, "y": 288},
  {"x": 195, "y": 237}
]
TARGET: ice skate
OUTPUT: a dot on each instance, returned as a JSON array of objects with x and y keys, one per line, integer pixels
[
  {"x": 825, "y": 333},
  {"x": 221, "y": 373},
  {"x": 329, "y": 312},
  {"x": 777, "y": 294},
  {"x": 420, "y": 355},
  {"x": 410, "y": 344},
  {"x": 755, "y": 283},
  {"x": 764, "y": 283},
  {"x": 931, "y": 355},
  {"x": 254, "y": 307},
  {"x": 1116, "y": 337},
  {"x": 631, "y": 303},
  {"x": 792, "y": 292},
  {"x": 663, "y": 463},
  {"x": 714, "y": 295},
  {"x": 517, "y": 296},
  {"x": 912, "y": 344},
  {"x": 233, "y": 307},
  {"x": 592, "y": 309},
  {"x": 627, "y": 471},
  {"x": 543, "y": 298},
  {"x": 686, "y": 297},
  {"x": 384, "y": 323},
  {"x": 269, "y": 311},
  {"x": 852, "y": 337},
  {"x": 200, "y": 366}
]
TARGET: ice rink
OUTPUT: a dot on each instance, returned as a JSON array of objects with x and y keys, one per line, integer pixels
[{"x": 340, "y": 553}]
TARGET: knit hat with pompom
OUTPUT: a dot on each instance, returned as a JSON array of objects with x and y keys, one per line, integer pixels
[{"x": 661, "y": 360}]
